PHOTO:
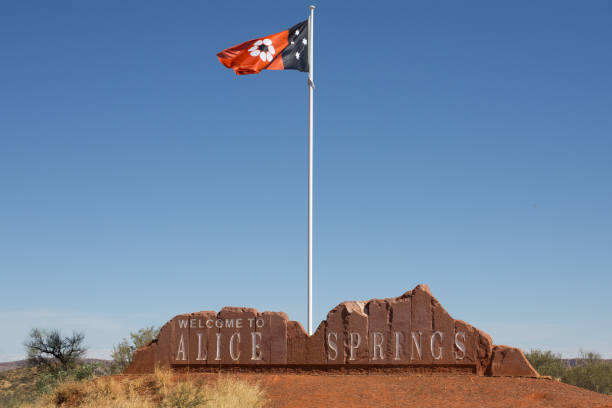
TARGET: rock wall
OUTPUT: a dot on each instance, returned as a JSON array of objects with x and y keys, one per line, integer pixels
[{"x": 412, "y": 332}]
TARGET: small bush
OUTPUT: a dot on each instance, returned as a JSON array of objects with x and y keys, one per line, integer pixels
[
  {"x": 85, "y": 371},
  {"x": 547, "y": 363},
  {"x": 591, "y": 372},
  {"x": 185, "y": 395},
  {"x": 47, "y": 379}
]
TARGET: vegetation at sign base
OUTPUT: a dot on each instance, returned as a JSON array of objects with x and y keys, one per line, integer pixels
[
  {"x": 591, "y": 372},
  {"x": 59, "y": 377},
  {"x": 28, "y": 384},
  {"x": 160, "y": 390}
]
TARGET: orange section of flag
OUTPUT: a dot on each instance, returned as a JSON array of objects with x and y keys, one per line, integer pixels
[{"x": 252, "y": 56}]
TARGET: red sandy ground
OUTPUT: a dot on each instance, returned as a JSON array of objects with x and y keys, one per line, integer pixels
[{"x": 397, "y": 390}]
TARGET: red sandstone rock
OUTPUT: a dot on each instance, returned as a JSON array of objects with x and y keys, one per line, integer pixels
[
  {"x": 412, "y": 330},
  {"x": 380, "y": 350},
  {"x": 201, "y": 347},
  {"x": 401, "y": 328},
  {"x": 296, "y": 343},
  {"x": 334, "y": 335},
  {"x": 443, "y": 342},
  {"x": 144, "y": 360},
  {"x": 421, "y": 308},
  {"x": 315, "y": 347},
  {"x": 356, "y": 341},
  {"x": 274, "y": 336},
  {"x": 478, "y": 344},
  {"x": 236, "y": 342},
  {"x": 510, "y": 362},
  {"x": 170, "y": 351}
]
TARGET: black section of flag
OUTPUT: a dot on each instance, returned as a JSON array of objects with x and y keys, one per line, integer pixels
[{"x": 295, "y": 55}]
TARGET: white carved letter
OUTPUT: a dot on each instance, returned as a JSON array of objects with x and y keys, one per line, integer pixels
[
  {"x": 256, "y": 354},
  {"x": 397, "y": 345},
  {"x": 418, "y": 346},
  {"x": 355, "y": 343},
  {"x": 332, "y": 345},
  {"x": 200, "y": 358},
  {"x": 433, "y": 338},
  {"x": 378, "y": 339},
  {"x": 460, "y": 345},
  {"x": 218, "y": 356},
  {"x": 232, "y": 355},
  {"x": 181, "y": 350}
]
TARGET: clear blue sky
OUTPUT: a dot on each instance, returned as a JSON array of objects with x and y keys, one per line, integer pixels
[{"x": 466, "y": 145}]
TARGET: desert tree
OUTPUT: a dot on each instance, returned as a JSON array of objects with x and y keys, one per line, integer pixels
[{"x": 50, "y": 349}]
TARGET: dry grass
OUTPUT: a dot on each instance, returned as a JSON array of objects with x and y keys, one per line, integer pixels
[
  {"x": 17, "y": 387},
  {"x": 161, "y": 390},
  {"x": 230, "y": 393}
]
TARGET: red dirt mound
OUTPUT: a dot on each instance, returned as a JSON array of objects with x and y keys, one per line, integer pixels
[{"x": 397, "y": 390}]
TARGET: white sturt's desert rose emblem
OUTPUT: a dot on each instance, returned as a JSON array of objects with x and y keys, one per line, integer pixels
[
  {"x": 264, "y": 49},
  {"x": 285, "y": 50}
]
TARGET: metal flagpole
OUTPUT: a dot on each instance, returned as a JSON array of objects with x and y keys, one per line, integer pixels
[{"x": 310, "y": 154}]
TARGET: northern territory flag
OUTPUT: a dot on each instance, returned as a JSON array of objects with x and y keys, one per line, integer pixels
[{"x": 285, "y": 50}]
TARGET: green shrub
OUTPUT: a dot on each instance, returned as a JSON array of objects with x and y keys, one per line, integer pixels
[
  {"x": 88, "y": 371},
  {"x": 547, "y": 363},
  {"x": 591, "y": 373},
  {"x": 48, "y": 379},
  {"x": 185, "y": 395}
]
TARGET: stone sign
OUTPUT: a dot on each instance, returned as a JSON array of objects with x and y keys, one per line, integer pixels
[{"x": 412, "y": 332}]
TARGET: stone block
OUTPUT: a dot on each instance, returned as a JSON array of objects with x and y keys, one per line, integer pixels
[
  {"x": 401, "y": 328},
  {"x": 174, "y": 341},
  {"x": 315, "y": 347},
  {"x": 297, "y": 339},
  {"x": 421, "y": 309},
  {"x": 202, "y": 337},
  {"x": 237, "y": 336},
  {"x": 443, "y": 332},
  {"x": 356, "y": 333},
  {"x": 334, "y": 336},
  {"x": 274, "y": 337},
  {"x": 510, "y": 362},
  {"x": 379, "y": 332}
]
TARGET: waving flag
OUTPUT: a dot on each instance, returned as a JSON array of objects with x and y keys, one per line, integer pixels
[
  {"x": 289, "y": 49},
  {"x": 285, "y": 50}
]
